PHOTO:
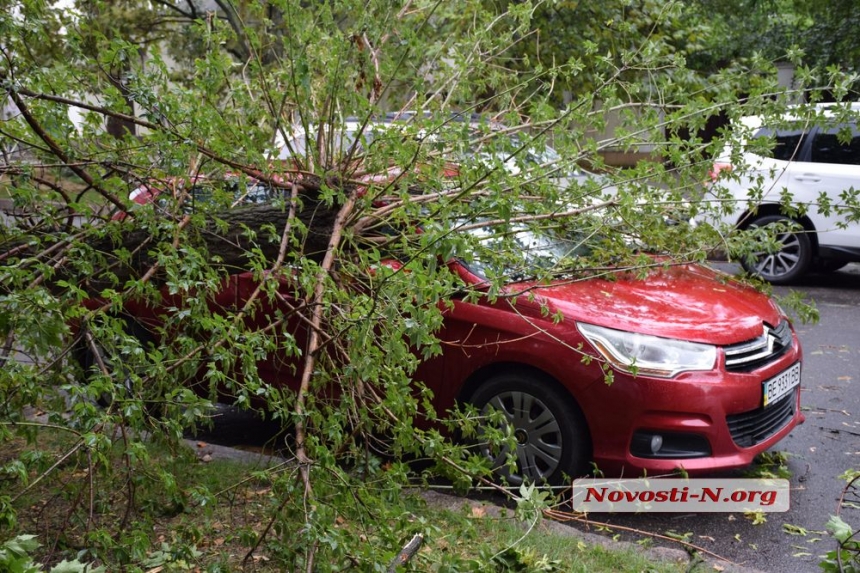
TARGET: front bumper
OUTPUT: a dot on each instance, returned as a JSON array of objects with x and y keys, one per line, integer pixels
[{"x": 699, "y": 422}]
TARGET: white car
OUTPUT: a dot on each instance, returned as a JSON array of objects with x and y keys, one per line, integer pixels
[
  {"x": 810, "y": 160},
  {"x": 342, "y": 139}
]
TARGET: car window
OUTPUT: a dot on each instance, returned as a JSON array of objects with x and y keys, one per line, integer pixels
[
  {"x": 829, "y": 147},
  {"x": 259, "y": 192},
  {"x": 537, "y": 249},
  {"x": 252, "y": 192},
  {"x": 788, "y": 142}
]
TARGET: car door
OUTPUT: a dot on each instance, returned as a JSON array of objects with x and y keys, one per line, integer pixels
[
  {"x": 784, "y": 169},
  {"x": 274, "y": 314},
  {"x": 833, "y": 169}
]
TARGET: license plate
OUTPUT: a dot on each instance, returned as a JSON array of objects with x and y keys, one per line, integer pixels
[{"x": 781, "y": 384}]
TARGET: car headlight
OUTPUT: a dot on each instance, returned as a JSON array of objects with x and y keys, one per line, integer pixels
[{"x": 645, "y": 355}]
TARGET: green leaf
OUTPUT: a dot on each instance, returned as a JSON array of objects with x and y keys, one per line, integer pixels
[
  {"x": 75, "y": 567},
  {"x": 22, "y": 544},
  {"x": 840, "y": 530}
]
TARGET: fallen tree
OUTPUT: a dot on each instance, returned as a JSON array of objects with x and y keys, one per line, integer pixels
[{"x": 314, "y": 70}]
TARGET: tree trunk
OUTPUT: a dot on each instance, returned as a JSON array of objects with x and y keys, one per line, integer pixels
[
  {"x": 246, "y": 231},
  {"x": 240, "y": 233}
]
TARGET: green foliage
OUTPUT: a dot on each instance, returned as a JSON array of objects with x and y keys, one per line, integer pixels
[
  {"x": 770, "y": 465},
  {"x": 723, "y": 34},
  {"x": 323, "y": 332},
  {"x": 846, "y": 557},
  {"x": 518, "y": 560},
  {"x": 15, "y": 558},
  {"x": 794, "y": 529}
]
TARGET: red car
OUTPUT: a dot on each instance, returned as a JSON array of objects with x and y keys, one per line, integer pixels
[{"x": 705, "y": 371}]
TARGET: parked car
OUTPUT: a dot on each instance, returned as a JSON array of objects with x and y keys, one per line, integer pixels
[
  {"x": 706, "y": 371},
  {"x": 806, "y": 161},
  {"x": 354, "y": 137},
  {"x": 235, "y": 189}
]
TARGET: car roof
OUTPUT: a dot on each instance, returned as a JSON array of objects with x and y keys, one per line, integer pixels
[
  {"x": 756, "y": 121},
  {"x": 297, "y": 133}
]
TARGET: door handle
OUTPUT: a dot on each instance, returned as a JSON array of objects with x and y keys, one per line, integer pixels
[{"x": 808, "y": 178}]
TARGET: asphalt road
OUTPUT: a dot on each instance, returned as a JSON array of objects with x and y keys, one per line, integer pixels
[{"x": 820, "y": 450}]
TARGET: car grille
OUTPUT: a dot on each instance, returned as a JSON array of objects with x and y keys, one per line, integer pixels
[
  {"x": 751, "y": 428},
  {"x": 752, "y": 354}
]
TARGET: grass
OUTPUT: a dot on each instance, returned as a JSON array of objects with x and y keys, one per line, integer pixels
[
  {"x": 507, "y": 543},
  {"x": 71, "y": 511},
  {"x": 171, "y": 527},
  {"x": 70, "y": 183}
]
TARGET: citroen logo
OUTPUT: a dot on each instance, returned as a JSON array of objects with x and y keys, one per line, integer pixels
[{"x": 771, "y": 339}]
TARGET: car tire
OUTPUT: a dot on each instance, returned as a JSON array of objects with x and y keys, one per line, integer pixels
[
  {"x": 789, "y": 263},
  {"x": 551, "y": 432},
  {"x": 92, "y": 356}
]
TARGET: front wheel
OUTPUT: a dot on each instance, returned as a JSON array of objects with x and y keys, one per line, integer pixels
[
  {"x": 550, "y": 433},
  {"x": 790, "y": 259}
]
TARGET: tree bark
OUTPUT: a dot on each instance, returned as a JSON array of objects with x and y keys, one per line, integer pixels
[
  {"x": 230, "y": 239},
  {"x": 246, "y": 231}
]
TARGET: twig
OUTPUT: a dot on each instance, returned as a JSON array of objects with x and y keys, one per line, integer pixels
[
  {"x": 409, "y": 550},
  {"x": 44, "y": 474},
  {"x": 841, "y": 544},
  {"x": 838, "y": 430}
]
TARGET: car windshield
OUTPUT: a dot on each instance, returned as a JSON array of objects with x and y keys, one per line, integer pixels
[
  {"x": 518, "y": 252},
  {"x": 205, "y": 193}
]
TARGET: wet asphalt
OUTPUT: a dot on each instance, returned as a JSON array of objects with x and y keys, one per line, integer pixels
[{"x": 823, "y": 448}]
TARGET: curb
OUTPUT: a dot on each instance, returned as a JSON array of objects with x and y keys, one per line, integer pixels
[
  {"x": 660, "y": 554},
  {"x": 207, "y": 452}
]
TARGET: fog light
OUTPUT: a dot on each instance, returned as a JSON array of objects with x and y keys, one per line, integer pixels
[{"x": 668, "y": 445}]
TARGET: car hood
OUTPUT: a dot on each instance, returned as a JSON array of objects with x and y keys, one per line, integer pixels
[{"x": 688, "y": 302}]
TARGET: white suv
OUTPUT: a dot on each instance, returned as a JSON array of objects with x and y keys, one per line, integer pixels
[{"x": 808, "y": 162}]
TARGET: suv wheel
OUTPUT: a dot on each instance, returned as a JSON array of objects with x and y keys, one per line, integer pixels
[{"x": 790, "y": 261}]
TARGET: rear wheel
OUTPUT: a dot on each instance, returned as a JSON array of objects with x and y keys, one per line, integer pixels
[
  {"x": 550, "y": 432},
  {"x": 792, "y": 257}
]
